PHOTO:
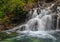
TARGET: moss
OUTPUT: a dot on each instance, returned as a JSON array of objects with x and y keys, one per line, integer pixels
[{"x": 4, "y": 35}]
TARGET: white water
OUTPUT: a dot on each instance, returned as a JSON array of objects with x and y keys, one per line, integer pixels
[
  {"x": 40, "y": 25},
  {"x": 39, "y": 22}
]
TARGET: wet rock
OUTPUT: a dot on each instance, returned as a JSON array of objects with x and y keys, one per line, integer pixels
[
  {"x": 1, "y": 27},
  {"x": 22, "y": 28},
  {"x": 48, "y": 1},
  {"x": 54, "y": 20}
]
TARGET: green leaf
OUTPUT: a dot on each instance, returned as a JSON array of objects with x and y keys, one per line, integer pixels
[{"x": 1, "y": 14}]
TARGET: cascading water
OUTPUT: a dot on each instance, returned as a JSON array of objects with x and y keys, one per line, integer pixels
[
  {"x": 41, "y": 25},
  {"x": 39, "y": 22}
]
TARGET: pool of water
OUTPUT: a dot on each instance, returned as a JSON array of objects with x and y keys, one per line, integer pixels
[{"x": 36, "y": 37}]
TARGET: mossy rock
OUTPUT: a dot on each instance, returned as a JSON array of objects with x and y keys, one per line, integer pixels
[{"x": 4, "y": 35}]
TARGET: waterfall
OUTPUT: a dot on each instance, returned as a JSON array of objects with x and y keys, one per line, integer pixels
[
  {"x": 39, "y": 21},
  {"x": 58, "y": 18},
  {"x": 42, "y": 23}
]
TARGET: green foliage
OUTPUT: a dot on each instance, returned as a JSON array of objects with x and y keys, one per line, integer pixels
[
  {"x": 31, "y": 1},
  {"x": 11, "y": 10},
  {"x": 8, "y": 6},
  {"x": 2, "y": 14},
  {"x": 15, "y": 7}
]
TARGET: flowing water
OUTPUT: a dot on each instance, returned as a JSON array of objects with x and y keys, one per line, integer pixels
[{"x": 43, "y": 26}]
